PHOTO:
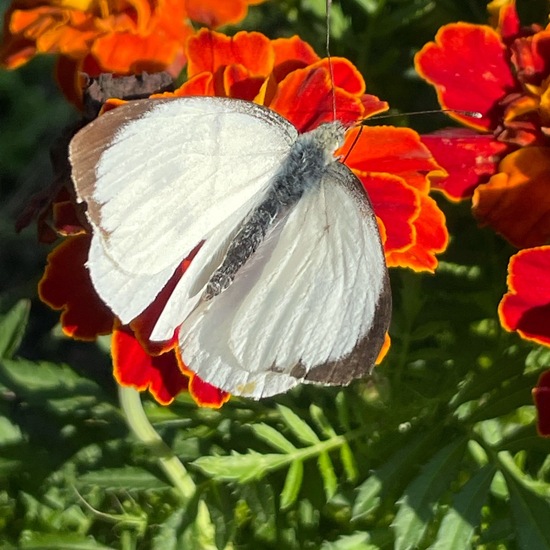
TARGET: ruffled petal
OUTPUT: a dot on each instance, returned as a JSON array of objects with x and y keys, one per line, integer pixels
[
  {"x": 525, "y": 308},
  {"x": 214, "y": 13},
  {"x": 134, "y": 367},
  {"x": 515, "y": 202},
  {"x": 468, "y": 158},
  {"x": 66, "y": 285},
  {"x": 468, "y": 66},
  {"x": 397, "y": 151},
  {"x": 541, "y": 397},
  {"x": 209, "y": 51},
  {"x": 430, "y": 238}
]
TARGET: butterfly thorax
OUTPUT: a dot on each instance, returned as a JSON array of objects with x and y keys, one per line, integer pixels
[{"x": 302, "y": 171}]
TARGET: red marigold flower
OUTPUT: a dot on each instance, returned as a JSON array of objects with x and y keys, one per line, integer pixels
[
  {"x": 503, "y": 74},
  {"x": 106, "y": 36},
  {"x": 541, "y": 397},
  {"x": 525, "y": 308},
  {"x": 287, "y": 76}
]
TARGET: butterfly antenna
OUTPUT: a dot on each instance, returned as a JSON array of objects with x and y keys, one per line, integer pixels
[
  {"x": 355, "y": 140},
  {"x": 473, "y": 114},
  {"x": 329, "y": 59}
]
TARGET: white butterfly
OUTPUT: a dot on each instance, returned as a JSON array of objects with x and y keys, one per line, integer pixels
[{"x": 290, "y": 284}]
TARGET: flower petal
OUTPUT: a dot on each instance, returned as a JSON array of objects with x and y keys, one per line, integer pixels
[
  {"x": 209, "y": 51},
  {"x": 525, "y": 308},
  {"x": 396, "y": 204},
  {"x": 397, "y": 151},
  {"x": 541, "y": 397},
  {"x": 431, "y": 238},
  {"x": 515, "y": 202},
  {"x": 66, "y": 285},
  {"x": 469, "y": 68},
  {"x": 133, "y": 366},
  {"x": 214, "y": 13},
  {"x": 468, "y": 157}
]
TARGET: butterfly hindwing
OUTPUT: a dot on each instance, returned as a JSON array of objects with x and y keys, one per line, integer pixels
[{"x": 312, "y": 305}]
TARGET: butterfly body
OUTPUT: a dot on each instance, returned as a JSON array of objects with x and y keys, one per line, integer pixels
[
  {"x": 301, "y": 172},
  {"x": 289, "y": 284}
]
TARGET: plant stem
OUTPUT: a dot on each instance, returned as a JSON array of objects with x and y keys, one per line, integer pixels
[{"x": 130, "y": 403}]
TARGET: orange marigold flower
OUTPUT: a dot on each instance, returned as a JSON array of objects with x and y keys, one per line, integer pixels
[
  {"x": 502, "y": 73},
  {"x": 287, "y": 76},
  {"x": 102, "y": 36}
]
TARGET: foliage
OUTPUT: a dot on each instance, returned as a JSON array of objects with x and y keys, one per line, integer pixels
[{"x": 439, "y": 449}]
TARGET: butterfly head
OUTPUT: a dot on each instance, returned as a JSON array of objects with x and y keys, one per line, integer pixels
[{"x": 328, "y": 137}]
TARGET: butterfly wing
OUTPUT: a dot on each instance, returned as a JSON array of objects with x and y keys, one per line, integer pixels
[
  {"x": 312, "y": 305},
  {"x": 161, "y": 176}
]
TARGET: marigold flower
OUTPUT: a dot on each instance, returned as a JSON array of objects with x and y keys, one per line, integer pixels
[
  {"x": 287, "y": 76},
  {"x": 503, "y": 74},
  {"x": 109, "y": 36}
]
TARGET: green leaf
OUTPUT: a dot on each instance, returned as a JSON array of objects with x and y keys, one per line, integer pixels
[
  {"x": 293, "y": 482},
  {"x": 416, "y": 508},
  {"x": 238, "y": 467},
  {"x": 59, "y": 541},
  {"x": 12, "y": 328},
  {"x": 530, "y": 502},
  {"x": 321, "y": 421},
  {"x": 348, "y": 462},
  {"x": 128, "y": 478},
  {"x": 514, "y": 394},
  {"x": 368, "y": 494},
  {"x": 356, "y": 541},
  {"x": 458, "y": 525},
  {"x": 297, "y": 426},
  {"x": 330, "y": 481},
  {"x": 273, "y": 437}
]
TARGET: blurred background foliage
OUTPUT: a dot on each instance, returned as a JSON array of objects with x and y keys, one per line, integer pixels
[{"x": 438, "y": 450}]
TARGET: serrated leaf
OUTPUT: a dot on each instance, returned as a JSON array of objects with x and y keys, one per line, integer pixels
[
  {"x": 368, "y": 494},
  {"x": 273, "y": 437},
  {"x": 240, "y": 468},
  {"x": 458, "y": 525},
  {"x": 297, "y": 426},
  {"x": 530, "y": 502},
  {"x": 330, "y": 481},
  {"x": 200, "y": 533},
  {"x": 321, "y": 421},
  {"x": 166, "y": 537},
  {"x": 12, "y": 328},
  {"x": 293, "y": 482},
  {"x": 416, "y": 507},
  {"x": 128, "y": 478},
  {"x": 260, "y": 499},
  {"x": 348, "y": 462}
]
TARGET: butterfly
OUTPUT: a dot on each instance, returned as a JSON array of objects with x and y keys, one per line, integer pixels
[{"x": 288, "y": 281}]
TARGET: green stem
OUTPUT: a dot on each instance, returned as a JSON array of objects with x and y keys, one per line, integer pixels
[{"x": 130, "y": 403}]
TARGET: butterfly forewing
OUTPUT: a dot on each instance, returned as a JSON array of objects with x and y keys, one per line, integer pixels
[{"x": 159, "y": 176}]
